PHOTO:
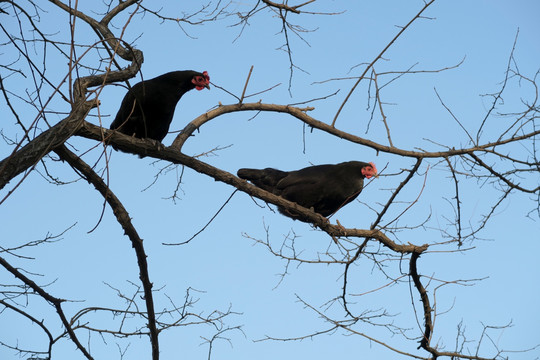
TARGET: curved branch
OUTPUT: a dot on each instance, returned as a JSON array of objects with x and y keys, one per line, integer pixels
[
  {"x": 57, "y": 303},
  {"x": 378, "y": 57},
  {"x": 150, "y": 148},
  {"x": 33, "y": 320},
  {"x": 30, "y": 154},
  {"x": 424, "y": 343},
  {"x": 502, "y": 178},
  {"x": 116, "y": 10},
  {"x": 125, "y": 221},
  {"x": 300, "y": 114}
]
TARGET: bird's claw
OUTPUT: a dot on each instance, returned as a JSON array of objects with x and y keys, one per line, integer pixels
[
  {"x": 341, "y": 227},
  {"x": 157, "y": 144}
]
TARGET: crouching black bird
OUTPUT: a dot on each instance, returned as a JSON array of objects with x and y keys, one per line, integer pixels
[
  {"x": 148, "y": 107},
  {"x": 322, "y": 188}
]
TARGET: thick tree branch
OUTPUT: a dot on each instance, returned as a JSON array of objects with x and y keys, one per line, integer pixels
[
  {"x": 300, "y": 114},
  {"x": 30, "y": 154},
  {"x": 149, "y": 148},
  {"x": 424, "y": 343},
  {"x": 125, "y": 221}
]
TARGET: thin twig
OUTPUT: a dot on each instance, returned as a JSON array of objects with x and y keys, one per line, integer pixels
[
  {"x": 378, "y": 57},
  {"x": 205, "y": 226},
  {"x": 245, "y": 86}
]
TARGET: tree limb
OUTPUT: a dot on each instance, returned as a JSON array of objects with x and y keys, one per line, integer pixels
[
  {"x": 125, "y": 221},
  {"x": 171, "y": 154}
]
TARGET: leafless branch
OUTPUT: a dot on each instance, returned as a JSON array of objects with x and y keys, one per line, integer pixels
[
  {"x": 56, "y": 302},
  {"x": 418, "y": 16},
  {"x": 125, "y": 221}
]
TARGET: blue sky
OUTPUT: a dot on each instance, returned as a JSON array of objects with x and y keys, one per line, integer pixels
[{"x": 224, "y": 262}]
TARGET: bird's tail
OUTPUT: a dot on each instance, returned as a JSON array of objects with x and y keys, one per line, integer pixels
[
  {"x": 248, "y": 174},
  {"x": 266, "y": 179}
]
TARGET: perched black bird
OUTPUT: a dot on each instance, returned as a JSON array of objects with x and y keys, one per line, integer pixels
[
  {"x": 148, "y": 107},
  {"x": 322, "y": 188}
]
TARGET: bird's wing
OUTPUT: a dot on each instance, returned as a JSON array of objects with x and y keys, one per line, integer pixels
[
  {"x": 311, "y": 176},
  {"x": 305, "y": 187},
  {"x": 319, "y": 187}
]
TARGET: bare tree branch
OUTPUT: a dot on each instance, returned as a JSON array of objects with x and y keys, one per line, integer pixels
[
  {"x": 125, "y": 221},
  {"x": 427, "y": 4},
  {"x": 56, "y": 302}
]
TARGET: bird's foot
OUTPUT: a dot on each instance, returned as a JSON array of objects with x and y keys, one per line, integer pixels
[
  {"x": 341, "y": 227},
  {"x": 342, "y": 230},
  {"x": 157, "y": 144}
]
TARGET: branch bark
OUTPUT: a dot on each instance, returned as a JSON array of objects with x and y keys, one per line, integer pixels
[
  {"x": 30, "y": 154},
  {"x": 300, "y": 114},
  {"x": 171, "y": 154},
  {"x": 428, "y": 323},
  {"x": 56, "y": 302},
  {"x": 125, "y": 221}
]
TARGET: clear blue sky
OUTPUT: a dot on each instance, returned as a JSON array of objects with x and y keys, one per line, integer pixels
[{"x": 223, "y": 262}]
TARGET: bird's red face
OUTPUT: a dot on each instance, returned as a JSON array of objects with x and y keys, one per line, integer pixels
[
  {"x": 369, "y": 170},
  {"x": 201, "y": 82}
]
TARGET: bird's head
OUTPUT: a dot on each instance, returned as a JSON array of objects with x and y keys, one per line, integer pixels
[
  {"x": 369, "y": 170},
  {"x": 201, "y": 81}
]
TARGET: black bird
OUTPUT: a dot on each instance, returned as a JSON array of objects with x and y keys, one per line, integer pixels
[
  {"x": 322, "y": 188},
  {"x": 148, "y": 107}
]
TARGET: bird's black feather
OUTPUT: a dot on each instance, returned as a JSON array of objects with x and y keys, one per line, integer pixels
[
  {"x": 148, "y": 107},
  {"x": 322, "y": 188}
]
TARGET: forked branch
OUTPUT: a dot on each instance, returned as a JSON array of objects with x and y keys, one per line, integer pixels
[{"x": 56, "y": 302}]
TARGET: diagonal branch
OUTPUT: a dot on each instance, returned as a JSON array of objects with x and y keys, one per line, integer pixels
[
  {"x": 125, "y": 221},
  {"x": 30, "y": 154},
  {"x": 101, "y": 26},
  {"x": 33, "y": 320},
  {"x": 300, "y": 114},
  {"x": 381, "y": 110},
  {"x": 171, "y": 154},
  {"x": 396, "y": 192},
  {"x": 378, "y": 57},
  {"x": 57, "y": 303},
  {"x": 428, "y": 330},
  {"x": 505, "y": 180},
  {"x": 286, "y": 7}
]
